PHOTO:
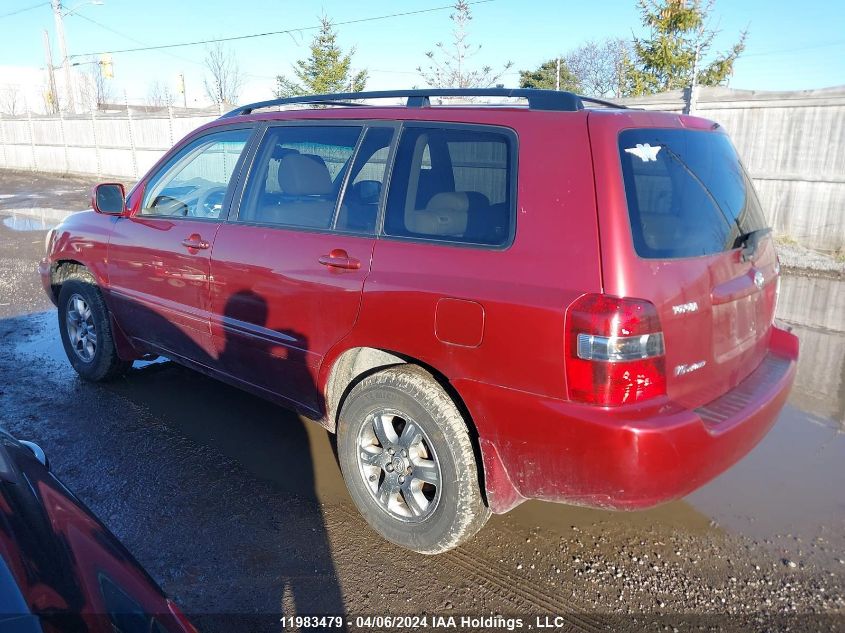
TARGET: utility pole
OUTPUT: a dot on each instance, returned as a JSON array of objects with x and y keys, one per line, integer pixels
[
  {"x": 60, "y": 34},
  {"x": 53, "y": 97},
  {"x": 557, "y": 80},
  {"x": 693, "y": 89},
  {"x": 181, "y": 87}
]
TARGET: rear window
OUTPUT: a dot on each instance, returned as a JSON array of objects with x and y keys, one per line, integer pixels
[{"x": 688, "y": 194}]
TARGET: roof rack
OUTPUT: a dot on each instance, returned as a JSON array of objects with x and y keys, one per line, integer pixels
[{"x": 557, "y": 100}]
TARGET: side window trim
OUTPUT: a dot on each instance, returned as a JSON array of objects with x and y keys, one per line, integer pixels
[
  {"x": 346, "y": 176},
  {"x": 512, "y": 183},
  {"x": 248, "y": 156},
  {"x": 396, "y": 126},
  {"x": 388, "y": 177},
  {"x": 168, "y": 164}
]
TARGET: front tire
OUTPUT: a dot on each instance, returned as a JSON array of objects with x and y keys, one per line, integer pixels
[
  {"x": 408, "y": 462},
  {"x": 85, "y": 327}
]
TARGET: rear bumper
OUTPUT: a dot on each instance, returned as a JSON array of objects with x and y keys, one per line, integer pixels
[{"x": 543, "y": 448}]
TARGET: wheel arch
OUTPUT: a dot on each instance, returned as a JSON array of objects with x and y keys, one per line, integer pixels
[
  {"x": 356, "y": 363},
  {"x": 60, "y": 270}
]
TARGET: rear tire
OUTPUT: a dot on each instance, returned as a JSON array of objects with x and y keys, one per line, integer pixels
[
  {"x": 408, "y": 462},
  {"x": 86, "y": 330}
]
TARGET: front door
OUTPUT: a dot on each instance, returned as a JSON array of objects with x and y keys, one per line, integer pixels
[
  {"x": 289, "y": 270},
  {"x": 158, "y": 257}
]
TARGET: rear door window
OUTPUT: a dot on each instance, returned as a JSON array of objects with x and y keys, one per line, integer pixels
[
  {"x": 453, "y": 184},
  {"x": 687, "y": 192}
]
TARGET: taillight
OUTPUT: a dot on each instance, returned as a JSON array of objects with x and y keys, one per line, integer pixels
[{"x": 614, "y": 351}]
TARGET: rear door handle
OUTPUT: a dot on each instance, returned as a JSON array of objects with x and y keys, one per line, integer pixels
[
  {"x": 195, "y": 242},
  {"x": 339, "y": 258}
]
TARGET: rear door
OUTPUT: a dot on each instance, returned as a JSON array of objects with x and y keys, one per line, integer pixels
[
  {"x": 158, "y": 258},
  {"x": 675, "y": 236},
  {"x": 289, "y": 268}
]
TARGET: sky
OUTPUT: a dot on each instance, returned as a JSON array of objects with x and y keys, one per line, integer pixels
[{"x": 791, "y": 45}]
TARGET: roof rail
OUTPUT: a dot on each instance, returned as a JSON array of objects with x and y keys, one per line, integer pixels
[
  {"x": 557, "y": 100},
  {"x": 604, "y": 102}
]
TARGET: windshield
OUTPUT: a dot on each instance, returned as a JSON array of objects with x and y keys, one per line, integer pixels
[{"x": 687, "y": 192}]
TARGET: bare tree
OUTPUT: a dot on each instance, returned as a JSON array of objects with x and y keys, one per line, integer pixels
[
  {"x": 159, "y": 95},
  {"x": 600, "y": 66},
  {"x": 93, "y": 86},
  {"x": 84, "y": 91},
  {"x": 10, "y": 103},
  {"x": 225, "y": 78},
  {"x": 448, "y": 65}
]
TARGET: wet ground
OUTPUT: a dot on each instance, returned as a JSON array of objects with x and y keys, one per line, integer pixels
[{"x": 237, "y": 508}]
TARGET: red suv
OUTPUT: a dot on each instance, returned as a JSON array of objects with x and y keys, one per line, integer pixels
[{"x": 487, "y": 303}]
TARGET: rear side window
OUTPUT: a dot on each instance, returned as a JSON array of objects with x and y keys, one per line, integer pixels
[
  {"x": 688, "y": 194},
  {"x": 452, "y": 184}
]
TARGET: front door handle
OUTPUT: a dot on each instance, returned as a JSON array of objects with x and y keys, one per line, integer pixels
[
  {"x": 339, "y": 258},
  {"x": 195, "y": 242}
]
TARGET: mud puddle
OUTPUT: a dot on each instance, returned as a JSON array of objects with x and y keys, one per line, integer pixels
[
  {"x": 275, "y": 516},
  {"x": 788, "y": 494},
  {"x": 28, "y": 223}
]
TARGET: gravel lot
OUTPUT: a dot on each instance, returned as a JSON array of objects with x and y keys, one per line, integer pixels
[{"x": 237, "y": 507}]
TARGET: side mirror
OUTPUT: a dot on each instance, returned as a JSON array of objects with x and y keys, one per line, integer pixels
[{"x": 109, "y": 198}]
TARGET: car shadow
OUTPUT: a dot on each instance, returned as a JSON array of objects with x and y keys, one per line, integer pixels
[{"x": 271, "y": 442}]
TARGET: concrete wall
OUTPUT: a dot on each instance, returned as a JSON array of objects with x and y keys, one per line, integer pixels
[{"x": 793, "y": 143}]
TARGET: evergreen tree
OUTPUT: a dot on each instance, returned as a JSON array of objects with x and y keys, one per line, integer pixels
[
  {"x": 678, "y": 42},
  {"x": 448, "y": 65},
  {"x": 546, "y": 76},
  {"x": 327, "y": 70}
]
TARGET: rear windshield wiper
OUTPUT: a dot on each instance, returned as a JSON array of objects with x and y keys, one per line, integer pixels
[
  {"x": 750, "y": 241},
  {"x": 674, "y": 156}
]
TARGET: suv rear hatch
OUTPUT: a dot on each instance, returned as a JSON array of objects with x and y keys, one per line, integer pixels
[{"x": 697, "y": 247}]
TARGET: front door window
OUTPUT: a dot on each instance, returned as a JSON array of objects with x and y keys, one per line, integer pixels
[{"x": 194, "y": 182}]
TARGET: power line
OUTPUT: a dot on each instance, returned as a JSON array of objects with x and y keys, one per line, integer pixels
[
  {"x": 284, "y": 32},
  {"x": 133, "y": 39},
  {"x": 29, "y": 8}
]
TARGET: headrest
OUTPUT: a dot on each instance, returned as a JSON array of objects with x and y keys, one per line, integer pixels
[
  {"x": 280, "y": 151},
  {"x": 303, "y": 176},
  {"x": 447, "y": 201},
  {"x": 445, "y": 214},
  {"x": 318, "y": 158}
]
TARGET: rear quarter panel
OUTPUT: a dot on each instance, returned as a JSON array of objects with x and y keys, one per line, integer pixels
[{"x": 523, "y": 289}]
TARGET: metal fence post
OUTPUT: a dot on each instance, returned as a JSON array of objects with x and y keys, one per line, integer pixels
[
  {"x": 131, "y": 137},
  {"x": 170, "y": 123},
  {"x": 3, "y": 141},
  {"x": 32, "y": 140},
  {"x": 64, "y": 140},
  {"x": 96, "y": 144}
]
